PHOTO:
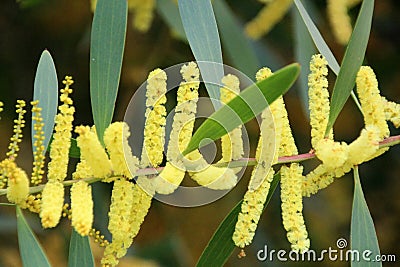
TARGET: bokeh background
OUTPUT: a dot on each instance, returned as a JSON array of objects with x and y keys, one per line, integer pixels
[{"x": 172, "y": 236}]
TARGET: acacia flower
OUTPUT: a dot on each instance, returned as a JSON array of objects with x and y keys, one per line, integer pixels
[
  {"x": 52, "y": 203},
  {"x": 269, "y": 15},
  {"x": 19, "y": 124},
  {"x": 143, "y": 13},
  {"x": 392, "y": 112},
  {"x": 122, "y": 199},
  {"x": 18, "y": 182},
  {"x": 340, "y": 20},
  {"x": 182, "y": 129},
  {"x": 116, "y": 140},
  {"x": 154, "y": 129},
  {"x": 57, "y": 167},
  {"x": 92, "y": 152},
  {"x": 231, "y": 143},
  {"x": 318, "y": 98},
  {"x": 81, "y": 207},
  {"x": 332, "y": 154},
  {"x": 38, "y": 137}
]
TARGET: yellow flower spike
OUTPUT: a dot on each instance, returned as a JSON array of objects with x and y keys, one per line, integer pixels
[
  {"x": 266, "y": 19},
  {"x": 116, "y": 140},
  {"x": 332, "y": 154},
  {"x": 292, "y": 207},
  {"x": 122, "y": 199},
  {"x": 232, "y": 143},
  {"x": 317, "y": 179},
  {"x": 154, "y": 129},
  {"x": 371, "y": 101},
  {"x": 81, "y": 207},
  {"x": 143, "y": 13},
  {"x": 82, "y": 170},
  {"x": 318, "y": 98},
  {"x": 92, "y": 152},
  {"x": 392, "y": 111},
  {"x": 251, "y": 209},
  {"x": 215, "y": 178},
  {"x": 19, "y": 124},
  {"x": 365, "y": 146},
  {"x": 140, "y": 207},
  {"x": 18, "y": 182},
  {"x": 38, "y": 155},
  {"x": 58, "y": 165},
  {"x": 340, "y": 20},
  {"x": 52, "y": 204},
  {"x": 182, "y": 128},
  {"x": 33, "y": 203}
]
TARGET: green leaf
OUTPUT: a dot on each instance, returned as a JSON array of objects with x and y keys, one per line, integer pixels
[
  {"x": 248, "y": 104},
  {"x": 106, "y": 52},
  {"x": 304, "y": 49},
  {"x": 362, "y": 235},
  {"x": 234, "y": 41},
  {"x": 31, "y": 252},
  {"x": 202, "y": 33},
  {"x": 80, "y": 253},
  {"x": 45, "y": 89},
  {"x": 221, "y": 246},
  {"x": 352, "y": 61},
  {"x": 170, "y": 13}
]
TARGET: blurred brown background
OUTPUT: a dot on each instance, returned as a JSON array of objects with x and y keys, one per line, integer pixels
[{"x": 173, "y": 236}]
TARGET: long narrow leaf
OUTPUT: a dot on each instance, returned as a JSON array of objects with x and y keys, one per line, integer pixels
[
  {"x": 202, "y": 33},
  {"x": 45, "y": 89},
  {"x": 234, "y": 41},
  {"x": 352, "y": 61},
  {"x": 248, "y": 104},
  {"x": 80, "y": 253},
  {"x": 106, "y": 52},
  {"x": 363, "y": 235},
  {"x": 32, "y": 254},
  {"x": 221, "y": 246}
]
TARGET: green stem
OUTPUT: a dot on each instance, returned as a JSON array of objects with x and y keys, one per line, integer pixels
[{"x": 388, "y": 142}]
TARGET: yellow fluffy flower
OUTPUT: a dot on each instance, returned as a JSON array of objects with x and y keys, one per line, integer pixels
[
  {"x": 38, "y": 136},
  {"x": 116, "y": 140},
  {"x": 52, "y": 204},
  {"x": 232, "y": 143},
  {"x": 318, "y": 98},
  {"x": 215, "y": 178},
  {"x": 92, "y": 152},
  {"x": 392, "y": 112},
  {"x": 266, "y": 19},
  {"x": 292, "y": 207},
  {"x": 143, "y": 13},
  {"x": 58, "y": 165},
  {"x": 332, "y": 154},
  {"x": 122, "y": 199},
  {"x": 154, "y": 129},
  {"x": 19, "y": 124},
  {"x": 81, "y": 207},
  {"x": 82, "y": 170},
  {"x": 365, "y": 146},
  {"x": 340, "y": 20},
  {"x": 182, "y": 129},
  {"x": 317, "y": 179},
  {"x": 18, "y": 182},
  {"x": 371, "y": 101}
]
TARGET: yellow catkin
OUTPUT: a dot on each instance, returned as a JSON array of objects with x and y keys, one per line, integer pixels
[
  {"x": 215, "y": 177},
  {"x": 365, "y": 146},
  {"x": 122, "y": 199},
  {"x": 52, "y": 204},
  {"x": 116, "y": 140},
  {"x": 292, "y": 207},
  {"x": 81, "y": 207},
  {"x": 33, "y": 203},
  {"x": 18, "y": 183},
  {"x": 154, "y": 129},
  {"x": 232, "y": 143},
  {"x": 38, "y": 137},
  {"x": 392, "y": 111},
  {"x": 143, "y": 13},
  {"x": 332, "y": 154},
  {"x": 340, "y": 20},
  {"x": 317, "y": 179},
  {"x": 92, "y": 152},
  {"x": 266, "y": 19},
  {"x": 19, "y": 124},
  {"x": 182, "y": 129},
  {"x": 58, "y": 165},
  {"x": 318, "y": 98},
  {"x": 82, "y": 170}
]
